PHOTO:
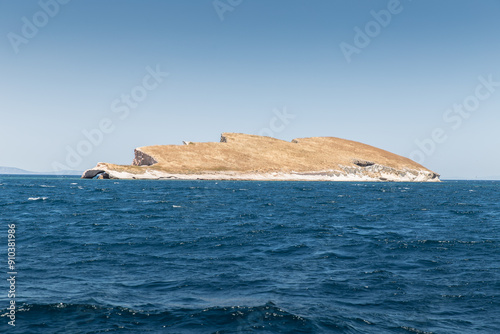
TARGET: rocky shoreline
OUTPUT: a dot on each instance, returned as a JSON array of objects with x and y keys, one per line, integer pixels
[{"x": 371, "y": 173}]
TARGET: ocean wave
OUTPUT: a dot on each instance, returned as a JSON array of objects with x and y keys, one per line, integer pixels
[
  {"x": 37, "y": 198},
  {"x": 90, "y": 318}
]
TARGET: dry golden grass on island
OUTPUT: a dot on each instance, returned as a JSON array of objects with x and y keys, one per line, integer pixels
[{"x": 250, "y": 157}]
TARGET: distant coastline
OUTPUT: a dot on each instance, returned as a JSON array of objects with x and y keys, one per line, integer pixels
[{"x": 19, "y": 171}]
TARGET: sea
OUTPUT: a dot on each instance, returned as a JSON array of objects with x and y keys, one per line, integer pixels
[{"x": 131, "y": 256}]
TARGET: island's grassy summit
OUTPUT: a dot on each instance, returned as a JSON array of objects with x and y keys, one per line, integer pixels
[{"x": 241, "y": 156}]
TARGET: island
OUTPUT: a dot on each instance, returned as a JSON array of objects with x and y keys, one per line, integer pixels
[{"x": 249, "y": 157}]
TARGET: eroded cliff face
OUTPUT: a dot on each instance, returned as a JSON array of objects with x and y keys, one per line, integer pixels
[
  {"x": 143, "y": 159},
  {"x": 248, "y": 157}
]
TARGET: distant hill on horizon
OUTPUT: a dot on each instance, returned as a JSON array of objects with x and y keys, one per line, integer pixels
[{"x": 18, "y": 171}]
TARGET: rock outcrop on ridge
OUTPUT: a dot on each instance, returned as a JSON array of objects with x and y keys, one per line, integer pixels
[{"x": 249, "y": 157}]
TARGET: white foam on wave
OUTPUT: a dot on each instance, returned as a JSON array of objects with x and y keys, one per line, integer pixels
[
  {"x": 37, "y": 198},
  {"x": 73, "y": 184},
  {"x": 46, "y": 186},
  {"x": 176, "y": 206}
]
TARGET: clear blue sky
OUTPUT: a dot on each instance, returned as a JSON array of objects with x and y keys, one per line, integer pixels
[{"x": 386, "y": 73}]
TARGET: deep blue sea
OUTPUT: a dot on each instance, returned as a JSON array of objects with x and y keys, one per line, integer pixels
[{"x": 107, "y": 256}]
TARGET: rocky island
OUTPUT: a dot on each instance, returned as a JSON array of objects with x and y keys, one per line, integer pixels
[{"x": 249, "y": 157}]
